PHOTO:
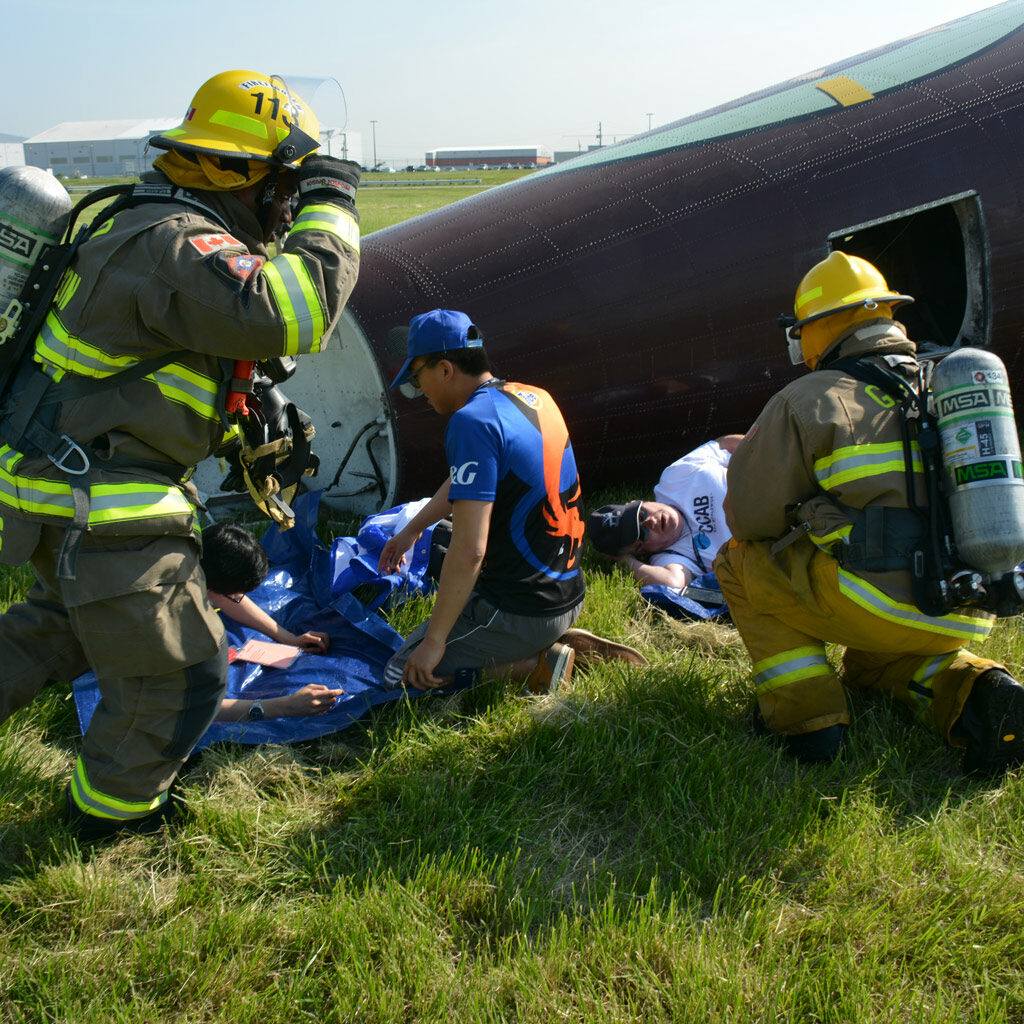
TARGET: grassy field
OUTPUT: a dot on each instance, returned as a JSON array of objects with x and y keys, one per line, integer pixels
[{"x": 624, "y": 850}]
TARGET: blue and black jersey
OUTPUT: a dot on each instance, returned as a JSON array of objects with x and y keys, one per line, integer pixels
[{"x": 509, "y": 445}]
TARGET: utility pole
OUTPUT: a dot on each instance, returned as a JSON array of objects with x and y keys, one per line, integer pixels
[
  {"x": 649, "y": 116},
  {"x": 374, "y": 130}
]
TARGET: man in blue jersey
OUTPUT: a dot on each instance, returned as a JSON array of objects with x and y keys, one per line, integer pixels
[{"x": 511, "y": 583}]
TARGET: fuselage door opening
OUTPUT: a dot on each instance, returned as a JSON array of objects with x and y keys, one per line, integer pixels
[{"x": 938, "y": 253}]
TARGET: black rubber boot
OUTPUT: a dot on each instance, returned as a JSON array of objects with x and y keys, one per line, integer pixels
[
  {"x": 818, "y": 746},
  {"x": 992, "y": 723},
  {"x": 91, "y": 830},
  {"x": 809, "y": 747}
]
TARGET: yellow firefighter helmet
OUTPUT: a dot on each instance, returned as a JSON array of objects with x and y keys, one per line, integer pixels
[
  {"x": 246, "y": 114},
  {"x": 837, "y": 284}
]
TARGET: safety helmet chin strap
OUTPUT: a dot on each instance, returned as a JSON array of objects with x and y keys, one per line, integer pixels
[{"x": 265, "y": 201}]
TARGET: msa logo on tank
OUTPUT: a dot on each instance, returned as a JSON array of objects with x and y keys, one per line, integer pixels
[
  {"x": 528, "y": 397},
  {"x": 974, "y": 398},
  {"x": 18, "y": 245},
  {"x": 977, "y": 472},
  {"x": 465, "y": 474}
]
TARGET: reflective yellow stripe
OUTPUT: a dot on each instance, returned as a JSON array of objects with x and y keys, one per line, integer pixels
[
  {"x": 62, "y": 352},
  {"x": 861, "y": 461},
  {"x": 920, "y": 690},
  {"x": 827, "y": 540},
  {"x": 68, "y": 286},
  {"x": 57, "y": 346},
  {"x": 813, "y": 293},
  {"x": 790, "y": 667},
  {"x": 90, "y": 800},
  {"x": 109, "y": 503},
  {"x": 330, "y": 218},
  {"x": 964, "y": 627},
  {"x": 240, "y": 122},
  {"x": 180, "y": 384},
  {"x": 298, "y": 302}
]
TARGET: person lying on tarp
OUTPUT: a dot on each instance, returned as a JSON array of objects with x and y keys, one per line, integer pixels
[
  {"x": 234, "y": 563},
  {"x": 673, "y": 539}
]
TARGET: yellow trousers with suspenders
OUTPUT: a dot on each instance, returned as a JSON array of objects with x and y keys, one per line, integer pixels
[{"x": 785, "y": 623}]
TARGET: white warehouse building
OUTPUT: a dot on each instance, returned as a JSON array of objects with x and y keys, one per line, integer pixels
[
  {"x": 105, "y": 149},
  {"x": 489, "y": 156},
  {"x": 96, "y": 148}
]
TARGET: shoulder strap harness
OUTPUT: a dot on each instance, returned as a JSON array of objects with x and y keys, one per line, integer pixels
[{"x": 28, "y": 411}]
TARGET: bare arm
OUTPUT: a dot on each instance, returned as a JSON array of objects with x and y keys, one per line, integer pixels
[
  {"x": 729, "y": 442},
  {"x": 673, "y": 575},
  {"x": 313, "y": 699},
  {"x": 393, "y": 554},
  {"x": 471, "y": 522},
  {"x": 250, "y": 614}
]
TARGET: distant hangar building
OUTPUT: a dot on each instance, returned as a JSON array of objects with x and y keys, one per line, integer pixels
[
  {"x": 93, "y": 149},
  {"x": 489, "y": 156},
  {"x": 112, "y": 149}
]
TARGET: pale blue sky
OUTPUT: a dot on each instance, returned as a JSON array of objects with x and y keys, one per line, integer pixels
[{"x": 441, "y": 73}]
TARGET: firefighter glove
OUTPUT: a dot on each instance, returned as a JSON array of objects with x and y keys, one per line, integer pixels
[{"x": 328, "y": 179}]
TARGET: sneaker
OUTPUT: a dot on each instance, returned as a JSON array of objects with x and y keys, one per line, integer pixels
[
  {"x": 992, "y": 722},
  {"x": 590, "y": 647},
  {"x": 554, "y": 667}
]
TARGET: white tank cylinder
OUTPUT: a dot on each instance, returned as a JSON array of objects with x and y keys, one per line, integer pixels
[
  {"x": 981, "y": 454},
  {"x": 34, "y": 209}
]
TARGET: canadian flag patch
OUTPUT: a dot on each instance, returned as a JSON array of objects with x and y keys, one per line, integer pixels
[{"x": 206, "y": 244}]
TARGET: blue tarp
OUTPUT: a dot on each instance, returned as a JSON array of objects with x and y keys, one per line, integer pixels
[
  {"x": 309, "y": 587},
  {"x": 701, "y": 600}
]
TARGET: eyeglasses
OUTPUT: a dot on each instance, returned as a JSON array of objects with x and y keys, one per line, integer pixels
[
  {"x": 414, "y": 377},
  {"x": 641, "y": 517},
  {"x": 237, "y": 598}
]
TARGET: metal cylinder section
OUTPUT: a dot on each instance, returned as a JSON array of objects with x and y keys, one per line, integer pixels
[
  {"x": 981, "y": 455},
  {"x": 34, "y": 210}
]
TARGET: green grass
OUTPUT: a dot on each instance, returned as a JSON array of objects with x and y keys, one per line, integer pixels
[{"x": 623, "y": 851}]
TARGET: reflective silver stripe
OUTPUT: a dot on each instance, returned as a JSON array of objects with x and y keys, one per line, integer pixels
[
  {"x": 922, "y": 694},
  {"x": 55, "y": 345},
  {"x": 857, "y": 462},
  {"x": 790, "y": 667},
  {"x": 964, "y": 627},
  {"x": 109, "y": 503},
  {"x": 185, "y": 386},
  {"x": 330, "y": 218}
]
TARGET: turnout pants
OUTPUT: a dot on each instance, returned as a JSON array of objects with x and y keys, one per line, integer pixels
[
  {"x": 138, "y": 615},
  {"x": 785, "y": 629}
]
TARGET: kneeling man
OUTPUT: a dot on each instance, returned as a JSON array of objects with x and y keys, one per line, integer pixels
[{"x": 511, "y": 583}]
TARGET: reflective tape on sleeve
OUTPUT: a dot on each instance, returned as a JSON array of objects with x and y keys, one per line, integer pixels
[
  {"x": 298, "y": 303},
  {"x": 859, "y": 462},
  {"x": 330, "y": 218}
]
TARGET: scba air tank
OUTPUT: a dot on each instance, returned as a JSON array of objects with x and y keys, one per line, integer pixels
[
  {"x": 981, "y": 454},
  {"x": 34, "y": 210}
]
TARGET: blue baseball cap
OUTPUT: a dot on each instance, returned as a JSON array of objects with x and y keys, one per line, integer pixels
[{"x": 440, "y": 330}]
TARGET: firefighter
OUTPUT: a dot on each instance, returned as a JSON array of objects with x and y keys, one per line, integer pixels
[
  {"x": 168, "y": 295},
  {"x": 797, "y": 576}
]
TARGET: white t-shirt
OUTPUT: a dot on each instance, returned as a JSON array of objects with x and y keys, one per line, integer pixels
[{"x": 695, "y": 484}]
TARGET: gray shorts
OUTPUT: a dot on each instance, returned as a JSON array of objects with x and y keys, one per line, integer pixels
[{"x": 484, "y": 636}]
